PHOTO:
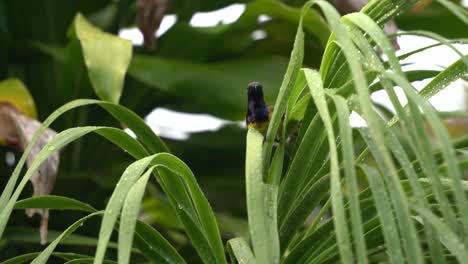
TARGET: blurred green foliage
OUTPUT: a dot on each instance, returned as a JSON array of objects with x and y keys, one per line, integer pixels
[{"x": 197, "y": 70}]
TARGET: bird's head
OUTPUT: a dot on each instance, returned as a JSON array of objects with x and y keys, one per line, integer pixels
[{"x": 255, "y": 91}]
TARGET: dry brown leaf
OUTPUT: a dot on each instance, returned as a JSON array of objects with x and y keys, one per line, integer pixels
[
  {"x": 18, "y": 131},
  {"x": 150, "y": 15}
]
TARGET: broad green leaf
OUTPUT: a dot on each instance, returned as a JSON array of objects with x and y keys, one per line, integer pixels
[
  {"x": 234, "y": 39},
  {"x": 106, "y": 57},
  {"x": 54, "y": 202},
  {"x": 216, "y": 88}
]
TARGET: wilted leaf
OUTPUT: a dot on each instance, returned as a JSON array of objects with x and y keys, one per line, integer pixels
[{"x": 18, "y": 129}]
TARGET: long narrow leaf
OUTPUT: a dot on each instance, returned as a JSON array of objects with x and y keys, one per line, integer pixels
[
  {"x": 129, "y": 215},
  {"x": 456, "y": 10},
  {"x": 292, "y": 71},
  {"x": 400, "y": 154},
  {"x": 412, "y": 123},
  {"x": 350, "y": 172},
  {"x": 308, "y": 159},
  {"x": 62, "y": 139},
  {"x": 154, "y": 246},
  {"x": 202, "y": 215},
  {"x": 54, "y": 202},
  {"x": 376, "y": 130},
  {"x": 124, "y": 115},
  {"x": 44, "y": 256},
  {"x": 115, "y": 204},
  {"x": 446, "y": 146},
  {"x": 261, "y": 203},
  {"x": 449, "y": 238},
  {"x": 385, "y": 213},
  {"x": 316, "y": 89}
]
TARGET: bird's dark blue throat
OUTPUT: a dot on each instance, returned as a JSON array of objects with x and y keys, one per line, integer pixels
[{"x": 257, "y": 109}]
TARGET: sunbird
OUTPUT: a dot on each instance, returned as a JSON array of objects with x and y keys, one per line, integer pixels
[{"x": 258, "y": 112}]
